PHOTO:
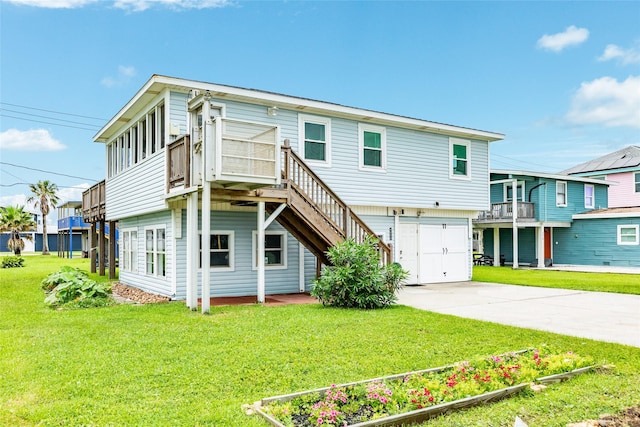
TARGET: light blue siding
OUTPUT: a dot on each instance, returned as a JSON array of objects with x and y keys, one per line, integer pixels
[
  {"x": 595, "y": 242},
  {"x": 178, "y": 111}
]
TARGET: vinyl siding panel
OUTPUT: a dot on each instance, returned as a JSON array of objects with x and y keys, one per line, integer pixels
[
  {"x": 178, "y": 112},
  {"x": 594, "y": 242},
  {"x": 138, "y": 278},
  {"x": 623, "y": 194},
  {"x": 138, "y": 190}
]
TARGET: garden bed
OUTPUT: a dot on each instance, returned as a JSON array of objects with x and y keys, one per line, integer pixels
[{"x": 416, "y": 396}]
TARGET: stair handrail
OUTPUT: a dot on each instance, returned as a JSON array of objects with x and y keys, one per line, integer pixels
[{"x": 298, "y": 174}]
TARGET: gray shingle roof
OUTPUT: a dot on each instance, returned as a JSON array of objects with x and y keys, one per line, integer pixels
[{"x": 624, "y": 158}]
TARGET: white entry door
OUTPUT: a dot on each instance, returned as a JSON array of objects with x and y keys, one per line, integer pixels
[{"x": 408, "y": 251}]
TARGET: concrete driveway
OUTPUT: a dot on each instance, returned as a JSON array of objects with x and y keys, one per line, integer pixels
[{"x": 600, "y": 316}]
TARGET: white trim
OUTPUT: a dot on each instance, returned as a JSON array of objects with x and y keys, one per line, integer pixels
[
  {"x": 505, "y": 187},
  {"x": 636, "y": 227},
  {"x": 362, "y": 128},
  {"x": 467, "y": 144},
  {"x": 566, "y": 194},
  {"x": 326, "y": 122},
  {"x": 132, "y": 264},
  {"x": 550, "y": 176},
  {"x": 154, "y": 251},
  {"x": 282, "y": 266},
  {"x": 606, "y": 215},
  {"x": 593, "y": 196},
  {"x": 232, "y": 239}
]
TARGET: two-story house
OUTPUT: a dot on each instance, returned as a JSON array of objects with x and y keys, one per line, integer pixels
[
  {"x": 271, "y": 181},
  {"x": 555, "y": 219}
]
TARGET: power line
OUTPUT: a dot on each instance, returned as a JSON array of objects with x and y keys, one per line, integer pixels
[
  {"x": 45, "y": 171},
  {"x": 52, "y": 111},
  {"x": 48, "y": 123},
  {"x": 50, "y": 118}
]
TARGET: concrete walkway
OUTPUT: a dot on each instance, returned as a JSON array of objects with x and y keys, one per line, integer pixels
[{"x": 600, "y": 316}]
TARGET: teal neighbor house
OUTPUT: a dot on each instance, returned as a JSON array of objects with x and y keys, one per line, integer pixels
[
  {"x": 539, "y": 219},
  {"x": 227, "y": 191}
]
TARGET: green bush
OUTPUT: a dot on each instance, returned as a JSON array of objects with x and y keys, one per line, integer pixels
[
  {"x": 72, "y": 288},
  {"x": 356, "y": 279},
  {"x": 12, "y": 262}
]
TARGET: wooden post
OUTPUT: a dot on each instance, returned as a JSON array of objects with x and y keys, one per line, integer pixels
[
  {"x": 93, "y": 247},
  {"x": 101, "y": 248},
  {"x": 112, "y": 250}
]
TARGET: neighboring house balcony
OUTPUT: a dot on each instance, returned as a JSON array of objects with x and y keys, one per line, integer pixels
[{"x": 503, "y": 212}]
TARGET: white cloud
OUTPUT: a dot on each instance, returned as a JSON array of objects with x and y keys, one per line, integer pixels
[
  {"x": 15, "y": 200},
  {"x": 29, "y": 140},
  {"x": 71, "y": 194},
  {"x": 125, "y": 73},
  {"x": 625, "y": 56},
  {"x": 608, "y": 102},
  {"x": 142, "y": 5},
  {"x": 570, "y": 37},
  {"x": 53, "y": 4}
]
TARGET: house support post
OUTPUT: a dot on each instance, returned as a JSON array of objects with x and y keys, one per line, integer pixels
[
  {"x": 514, "y": 216},
  {"x": 301, "y": 267},
  {"x": 92, "y": 247},
  {"x": 112, "y": 250},
  {"x": 192, "y": 251},
  {"x": 496, "y": 247},
  {"x": 260, "y": 251},
  {"x": 206, "y": 258},
  {"x": 70, "y": 237},
  {"x": 540, "y": 246},
  {"x": 101, "y": 247}
]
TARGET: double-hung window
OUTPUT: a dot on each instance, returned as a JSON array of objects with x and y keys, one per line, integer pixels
[
  {"x": 155, "y": 255},
  {"x": 459, "y": 155},
  {"x": 275, "y": 249},
  {"x": 589, "y": 196},
  {"x": 130, "y": 250},
  {"x": 221, "y": 250},
  {"x": 372, "y": 146},
  {"x": 628, "y": 234},
  {"x": 561, "y": 193},
  {"x": 315, "y": 138},
  {"x": 637, "y": 181}
]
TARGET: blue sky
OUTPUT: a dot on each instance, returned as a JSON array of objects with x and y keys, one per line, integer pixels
[{"x": 560, "y": 79}]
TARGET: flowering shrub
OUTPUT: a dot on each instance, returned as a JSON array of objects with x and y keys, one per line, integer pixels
[{"x": 346, "y": 405}]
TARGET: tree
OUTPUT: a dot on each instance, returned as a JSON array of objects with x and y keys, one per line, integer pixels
[
  {"x": 15, "y": 220},
  {"x": 44, "y": 196}
]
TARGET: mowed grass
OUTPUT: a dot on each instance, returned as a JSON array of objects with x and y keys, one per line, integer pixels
[
  {"x": 163, "y": 365},
  {"x": 600, "y": 282}
]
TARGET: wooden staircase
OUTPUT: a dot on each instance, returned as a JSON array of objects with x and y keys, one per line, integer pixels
[{"x": 314, "y": 214}]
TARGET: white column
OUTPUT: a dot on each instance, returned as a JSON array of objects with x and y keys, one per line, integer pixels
[
  {"x": 396, "y": 230},
  {"x": 540, "y": 246},
  {"x": 514, "y": 216},
  {"x": 192, "y": 251},
  {"x": 300, "y": 267},
  {"x": 260, "y": 251},
  {"x": 496, "y": 247},
  {"x": 206, "y": 259}
]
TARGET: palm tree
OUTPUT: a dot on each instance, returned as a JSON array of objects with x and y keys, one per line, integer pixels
[
  {"x": 15, "y": 220},
  {"x": 44, "y": 195}
]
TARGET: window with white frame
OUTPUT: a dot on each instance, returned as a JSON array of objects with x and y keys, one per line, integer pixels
[
  {"x": 129, "y": 250},
  {"x": 155, "y": 251},
  {"x": 372, "y": 141},
  {"x": 459, "y": 155},
  {"x": 508, "y": 192},
  {"x": 315, "y": 138},
  {"x": 628, "y": 234},
  {"x": 589, "y": 196},
  {"x": 275, "y": 249},
  {"x": 221, "y": 250},
  {"x": 637, "y": 181},
  {"x": 561, "y": 193}
]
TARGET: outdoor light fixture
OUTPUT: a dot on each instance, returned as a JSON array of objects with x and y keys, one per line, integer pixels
[{"x": 272, "y": 111}]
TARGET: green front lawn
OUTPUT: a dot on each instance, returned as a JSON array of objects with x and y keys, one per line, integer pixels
[
  {"x": 601, "y": 282},
  {"x": 165, "y": 365}
]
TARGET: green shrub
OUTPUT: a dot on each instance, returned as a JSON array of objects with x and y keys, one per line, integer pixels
[
  {"x": 356, "y": 279},
  {"x": 72, "y": 288},
  {"x": 12, "y": 262}
]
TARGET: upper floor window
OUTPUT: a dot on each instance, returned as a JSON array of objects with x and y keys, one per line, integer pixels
[
  {"x": 221, "y": 252},
  {"x": 155, "y": 251},
  {"x": 628, "y": 234},
  {"x": 561, "y": 193},
  {"x": 373, "y": 146},
  {"x": 637, "y": 181},
  {"x": 508, "y": 192},
  {"x": 459, "y": 151},
  {"x": 275, "y": 249},
  {"x": 589, "y": 196},
  {"x": 315, "y": 138}
]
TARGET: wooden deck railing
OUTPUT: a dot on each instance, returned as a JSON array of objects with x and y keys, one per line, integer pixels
[
  {"x": 505, "y": 211},
  {"x": 93, "y": 203},
  {"x": 178, "y": 170},
  {"x": 336, "y": 213}
]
